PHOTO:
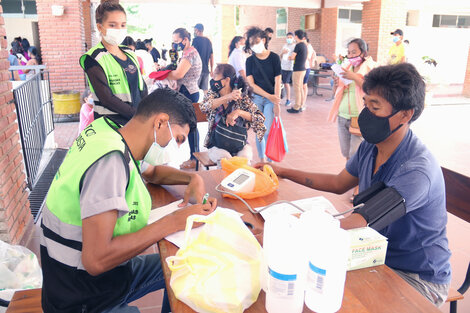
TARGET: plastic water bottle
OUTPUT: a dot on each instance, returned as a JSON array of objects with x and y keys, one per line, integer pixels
[
  {"x": 327, "y": 256},
  {"x": 286, "y": 264}
]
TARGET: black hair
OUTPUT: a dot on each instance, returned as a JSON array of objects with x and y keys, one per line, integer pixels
[
  {"x": 362, "y": 46},
  {"x": 227, "y": 70},
  {"x": 148, "y": 41},
  {"x": 255, "y": 32},
  {"x": 165, "y": 100},
  {"x": 234, "y": 41},
  {"x": 101, "y": 13},
  {"x": 140, "y": 45},
  {"x": 183, "y": 33},
  {"x": 16, "y": 48},
  {"x": 290, "y": 34},
  {"x": 128, "y": 41},
  {"x": 269, "y": 30},
  {"x": 401, "y": 85},
  {"x": 300, "y": 33},
  {"x": 406, "y": 41},
  {"x": 25, "y": 44},
  {"x": 34, "y": 51}
]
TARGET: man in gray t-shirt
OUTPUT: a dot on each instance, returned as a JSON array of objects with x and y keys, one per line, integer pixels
[{"x": 287, "y": 66}]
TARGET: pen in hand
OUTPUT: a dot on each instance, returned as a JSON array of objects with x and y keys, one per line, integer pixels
[{"x": 205, "y": 198}]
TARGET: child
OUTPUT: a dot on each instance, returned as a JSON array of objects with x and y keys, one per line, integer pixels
[{"x": 86, "y": 112}]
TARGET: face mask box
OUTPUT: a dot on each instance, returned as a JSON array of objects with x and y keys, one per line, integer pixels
[{"x": 368, "y": 248}]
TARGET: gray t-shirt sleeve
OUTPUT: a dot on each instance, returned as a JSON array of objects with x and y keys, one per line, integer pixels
[{"x": 104, "y": 187}]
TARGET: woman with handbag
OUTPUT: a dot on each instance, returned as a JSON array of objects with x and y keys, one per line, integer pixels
[
  {"x": 230, "y": 113},
  {"x": 263, "y": 73}
]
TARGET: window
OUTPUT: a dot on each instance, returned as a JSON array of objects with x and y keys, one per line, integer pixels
[
  {"x": 15, "y": 7},
  {"x": 281, "y": 22},
  {"x": 350, "y": 16},
  {"x": 451, "y": 21}
]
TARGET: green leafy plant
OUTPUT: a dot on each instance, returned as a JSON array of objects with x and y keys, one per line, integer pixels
[{"x": 428, "y": 60}]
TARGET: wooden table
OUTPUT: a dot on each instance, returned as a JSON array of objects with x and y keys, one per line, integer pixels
[{"x": 374, "y": 289}]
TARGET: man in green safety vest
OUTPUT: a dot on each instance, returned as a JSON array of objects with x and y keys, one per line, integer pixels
[{"x": 94, "y": 222}]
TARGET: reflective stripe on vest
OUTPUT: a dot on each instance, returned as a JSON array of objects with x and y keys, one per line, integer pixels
[{"x": 96, "y": 141}]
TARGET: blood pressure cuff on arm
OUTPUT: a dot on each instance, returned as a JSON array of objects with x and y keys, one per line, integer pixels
[{"x": 382, "y": 205}]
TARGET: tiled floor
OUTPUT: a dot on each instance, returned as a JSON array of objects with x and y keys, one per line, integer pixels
[{"x": 313, "y": 146}]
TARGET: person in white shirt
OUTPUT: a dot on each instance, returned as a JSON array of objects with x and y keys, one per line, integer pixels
[
  {"x": 147, "y": 59},
  {"x": 237, "y": 56},
  {"x": 309, "y": 64},
  {"x": 287, "y": 66}
]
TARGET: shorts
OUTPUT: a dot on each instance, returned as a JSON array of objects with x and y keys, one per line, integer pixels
[
  {"x": 307, "y": 74},
  {"x": 286, "y": 77},
  {"x": 204, "y": 81}
]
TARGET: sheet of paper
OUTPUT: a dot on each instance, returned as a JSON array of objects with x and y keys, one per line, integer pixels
[
  {"x": 338, "y": 70},
  {"x": 315, "y": 203}
]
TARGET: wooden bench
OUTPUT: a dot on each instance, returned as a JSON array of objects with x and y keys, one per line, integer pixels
[
  {"x": 458, "y": 203},
  {"x": 26, "y": 301},
  {"x": 203, "y": 158}
]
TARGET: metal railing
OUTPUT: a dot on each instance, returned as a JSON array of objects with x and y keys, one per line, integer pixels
[{"x": 33, "y": 104}]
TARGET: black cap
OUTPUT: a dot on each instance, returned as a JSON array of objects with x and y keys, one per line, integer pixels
[
  {"x": 397, "y": 32},
  {"x": 199, "y": 27}
]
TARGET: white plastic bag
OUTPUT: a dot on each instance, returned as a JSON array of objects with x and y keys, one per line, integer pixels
[{"x": 19, "y": 269}]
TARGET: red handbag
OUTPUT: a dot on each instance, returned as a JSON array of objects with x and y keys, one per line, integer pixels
[{"x": 275, "y": 148}]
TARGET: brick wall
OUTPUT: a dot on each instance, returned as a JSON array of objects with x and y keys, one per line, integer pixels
[
  {"x": 62, "y": 43},
  {"x": 328, "y": 31},
  {"x": 466, "y": 83},
  {"x": 379, "y": 18},
  {"x": 293, "y": 23},
  {"x": 14, "y": 205}
]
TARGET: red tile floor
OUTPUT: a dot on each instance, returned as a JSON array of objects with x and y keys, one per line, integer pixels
[{"x": 313, "y": 146}]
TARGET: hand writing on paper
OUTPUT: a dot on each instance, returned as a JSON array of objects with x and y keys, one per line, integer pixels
[{"x": 194, "y": 189}]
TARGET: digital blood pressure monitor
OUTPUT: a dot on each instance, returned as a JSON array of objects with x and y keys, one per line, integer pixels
[{"x": 240, "y": 180}]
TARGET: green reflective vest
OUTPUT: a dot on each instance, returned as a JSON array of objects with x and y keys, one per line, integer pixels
[
  {"x": 96, "y": 141},
  {"x": 115, "y": 74}
]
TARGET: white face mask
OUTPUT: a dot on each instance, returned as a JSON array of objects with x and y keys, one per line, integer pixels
[
  {"x": 258, "y": 48},
  {"x": 158, "y": 155},
  {"x": 115, "y": 36},
  {"x": 241, "y": 47}
]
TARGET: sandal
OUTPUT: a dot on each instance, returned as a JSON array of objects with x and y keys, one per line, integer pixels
[{"x": 187, "y": 165}]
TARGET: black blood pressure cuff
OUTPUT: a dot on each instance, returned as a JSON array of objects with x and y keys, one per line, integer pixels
[{"x": 382, "y": 205}]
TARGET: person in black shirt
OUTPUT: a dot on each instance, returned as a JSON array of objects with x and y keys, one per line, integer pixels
[
  {"x": 299, "y": 56},
  {"x": 263, "y": 73},
  {"x": 154, "y": 52},
  {"x": 203, "y": 46}
]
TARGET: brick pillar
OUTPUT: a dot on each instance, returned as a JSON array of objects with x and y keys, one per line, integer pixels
[
  {"x": 14, "y": 204},
  {"x": 228, "y": 30},
  {"x": 466, "y": 83},
  {"x": 87, "y": 23},
  {"x": 62, "y": 43},
  {"x": 328, "y": 31},
  {"x": 379, "y": 19}
]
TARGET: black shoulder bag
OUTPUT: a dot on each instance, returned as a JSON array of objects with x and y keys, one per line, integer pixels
[{"x": 230, "y": 138}]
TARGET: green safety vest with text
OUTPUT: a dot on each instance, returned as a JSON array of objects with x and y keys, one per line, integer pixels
[
  {"x": 96, "y": 141},
  {"x": 115, "y": 74}
]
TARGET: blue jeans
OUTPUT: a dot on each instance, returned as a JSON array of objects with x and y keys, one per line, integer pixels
[
  {"x": 193, "y": 136},
  {"x": 147, "y": 273},
  {"x": 266, "y": 107}
]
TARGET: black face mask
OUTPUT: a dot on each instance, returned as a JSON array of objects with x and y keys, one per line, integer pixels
[
  {"x": 216, "y": 85},
  {"x": 375, "y": 129},
  {"x": 178, "y": 46}
]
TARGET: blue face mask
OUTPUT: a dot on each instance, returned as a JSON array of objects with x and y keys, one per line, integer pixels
[
  {"x": 396, "y": 38},
  {"x": 290, "y": 40}
]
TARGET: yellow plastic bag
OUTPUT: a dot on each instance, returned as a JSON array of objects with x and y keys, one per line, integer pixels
[
  {"x": 266, "y": 181},
  {"x": 219, "y": 270}
]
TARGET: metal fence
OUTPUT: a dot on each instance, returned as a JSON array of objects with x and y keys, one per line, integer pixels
[{"x": 33, "y": 103}]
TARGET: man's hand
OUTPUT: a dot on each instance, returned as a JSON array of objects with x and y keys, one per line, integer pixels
[
  {"x": 276, "y": 168},
  {"x": 179, "y": 217},
  {"x": 195, "y": 189}
]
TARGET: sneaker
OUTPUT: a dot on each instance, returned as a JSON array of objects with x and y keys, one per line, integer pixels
[
  {"x": 292, "y": 110},
  {"x": 303, "y": 109},
  {"x": 287, "y": 102}
]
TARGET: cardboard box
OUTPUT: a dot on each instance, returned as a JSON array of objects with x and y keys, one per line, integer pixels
[{"x": 368, "y": 248}]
